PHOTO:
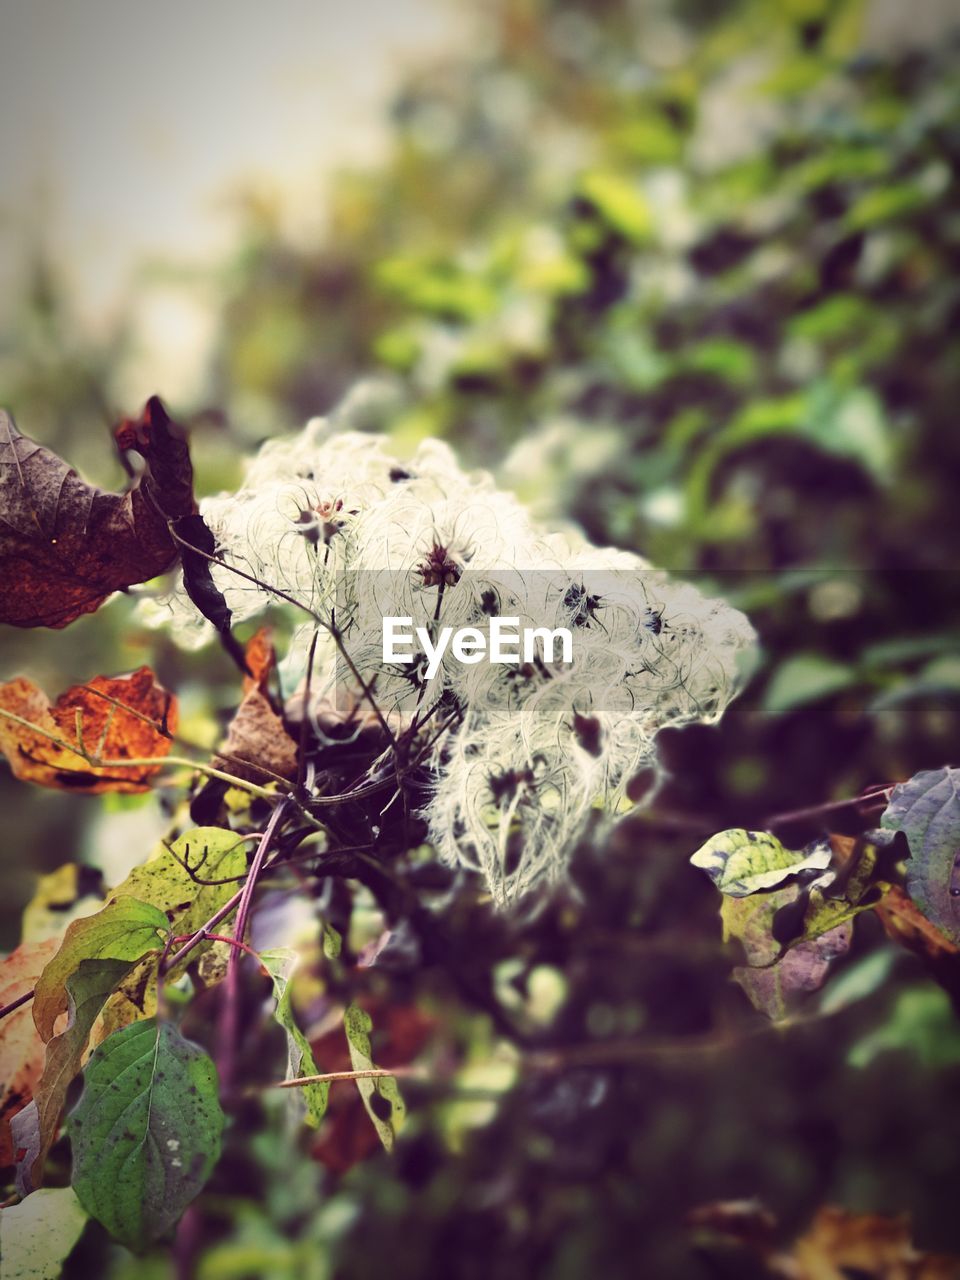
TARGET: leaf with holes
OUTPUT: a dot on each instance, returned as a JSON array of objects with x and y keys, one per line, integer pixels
[
  {"x": 146, "y": 1132},
  {"x": 192, "y": 877},
  {"x": 743, "y": 862},
  {"x": 311, "y": 1098},
  {"x": 380, "y": 1094},
  {"x": 927, "y": 810},
  {"x": 188, "y": 880},
  {"x": 65, "y": 545}
]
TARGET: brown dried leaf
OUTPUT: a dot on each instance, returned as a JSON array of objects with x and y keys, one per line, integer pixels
[
  {"x": 65, "y": 545},
  {"x": 257, "y": 742},
  {"x": 905, "y": 923},
  {"x": 839, "y": 1244},
  {"x": 21, "y": 1049},
  {"x": 109, "y": 731}
]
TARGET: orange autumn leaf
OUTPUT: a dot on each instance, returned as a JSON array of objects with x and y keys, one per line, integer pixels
[
  {"x": 261, "y": 659},
  {"x": 21, "y": 1049},
  {"x": 119, "y": 718}
]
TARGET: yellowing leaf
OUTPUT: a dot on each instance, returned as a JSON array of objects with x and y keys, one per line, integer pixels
[
  {"x": 35, "y": 1128},
  {"x": 744, "y": 862},
  {"x": 38, "y": 1235},
  {"x": 124, "y": 930},
  {"x": 280, "y": 964},
  {"x": 380, "y": 1094}
]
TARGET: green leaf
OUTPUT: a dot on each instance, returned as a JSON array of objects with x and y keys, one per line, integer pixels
[
  {"x": 858, "y": 981},
  {"x": 886, "y": 204},
  {"x": 851, "y": 424},
  {"x": 922, "y": 1023},
  {"x": 380, "y": 1094},
  {"x": 841, "y": 316},
  {"x": 803, "y": 679},
  {"x": 280, "y": 964},
  {"x": 38, "y": 1235},
  {"x": 744, "y": 862},
  {"x": 937, "y": 678},
  {"x": 856, "y": 885},
  {"x": 146, "y": 1131},
  {"x": 88, "y": 988},
  {"x": 734, "y": 362},
  {"x": 210, "y": 853},
  {"x": 124, "y": 930},
  {"x": 620, "y": 203},
  {"x": 332, "y": 942},
  {"x": 824, "y": 912},
  {"x": 927, "y": 810}
]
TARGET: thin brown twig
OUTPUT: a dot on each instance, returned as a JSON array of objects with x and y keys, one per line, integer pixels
[
  {"x": 148, "y": 762},
  {"x": 14, "y": 1005},
  {"x": 192, "y": 871},
  {"x": 164, "y": 732},
  {"x": 203, "y": 932},
  {"x": 330, "y": 627},
  {"x": 305, "y": 713},
  {"x": 600, "y": 1053},
  {"x": 331, "y": 1077},
  {"x": 871, "y": 798}
]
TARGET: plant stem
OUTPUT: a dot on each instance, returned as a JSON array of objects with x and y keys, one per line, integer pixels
[
  {"x": 158, "y": 762},
  {"x": 230, "y": 1007},
  {"x": 187, "y": 1242},
  {"x": 14, "y": 1005},
  {"x": 870, "y": 798},
  {"x": 331, "y": 1077}
]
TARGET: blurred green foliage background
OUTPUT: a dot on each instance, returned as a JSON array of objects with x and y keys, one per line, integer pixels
[{"x": 684, "y": 273}]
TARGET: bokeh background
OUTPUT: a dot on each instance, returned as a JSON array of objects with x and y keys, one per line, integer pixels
[{"x": 681, "y": 271}]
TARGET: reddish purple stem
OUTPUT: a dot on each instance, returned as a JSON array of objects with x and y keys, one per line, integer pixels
[{"x": 230, "y": 1009}]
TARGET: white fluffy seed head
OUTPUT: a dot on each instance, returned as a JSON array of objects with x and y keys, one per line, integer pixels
[{"x": 531, "y": 752}]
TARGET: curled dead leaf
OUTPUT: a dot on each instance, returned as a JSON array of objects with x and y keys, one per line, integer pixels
[
  {"x": 118, "y": 718},
  {"x": 66, "y": 545}
]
